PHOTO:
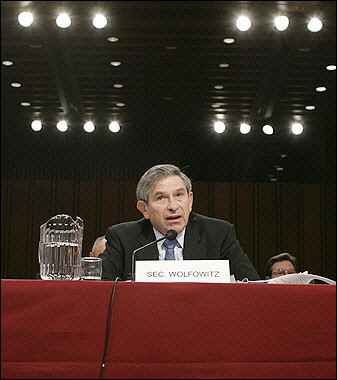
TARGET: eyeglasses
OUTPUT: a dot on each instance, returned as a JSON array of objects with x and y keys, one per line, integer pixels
[{"x": 282, "y": 272}]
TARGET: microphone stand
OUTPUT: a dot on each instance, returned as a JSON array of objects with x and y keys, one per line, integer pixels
[
  {"x": 170, "y": 235},
  {"x": 138, "y": 249}
]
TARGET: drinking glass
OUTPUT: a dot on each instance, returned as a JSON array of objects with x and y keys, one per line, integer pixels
[{"x": 91, "y": 268}]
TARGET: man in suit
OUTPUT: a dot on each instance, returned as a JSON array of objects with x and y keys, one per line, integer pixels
[{"x": 165, "y": 198}]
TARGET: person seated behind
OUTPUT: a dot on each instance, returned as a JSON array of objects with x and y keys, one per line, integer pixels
[
  {"x": 98, "y": 246},
  {"x": 165, "y": 198},
  {"x": 281, "y": 264}
]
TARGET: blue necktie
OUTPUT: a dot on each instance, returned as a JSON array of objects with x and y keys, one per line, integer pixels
[{"x": 170, "y": 244}]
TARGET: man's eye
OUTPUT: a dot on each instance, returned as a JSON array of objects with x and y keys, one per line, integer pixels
[{"x": 160, "y": 197}]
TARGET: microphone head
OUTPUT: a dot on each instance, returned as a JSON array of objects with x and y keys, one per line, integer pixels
[{"x": 171, "y": 234}]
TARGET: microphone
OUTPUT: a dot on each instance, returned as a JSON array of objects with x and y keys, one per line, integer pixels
[{"x": 170, "y": 235}]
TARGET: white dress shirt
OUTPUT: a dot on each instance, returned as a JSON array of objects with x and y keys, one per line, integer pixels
[{"x": 178, "y": 249}]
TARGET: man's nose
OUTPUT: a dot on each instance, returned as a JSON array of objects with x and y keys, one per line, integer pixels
[{"x": 172, "y": 203}]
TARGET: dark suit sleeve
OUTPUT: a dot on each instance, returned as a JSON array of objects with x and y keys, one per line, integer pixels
[
  {"x": 240, "y": 264},
  {"x": 113, "y": 257}
]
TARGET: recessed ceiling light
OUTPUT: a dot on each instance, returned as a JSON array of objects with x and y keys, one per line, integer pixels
[
  {"x": 25, "y": 19},
  {"x": 25, "y": 104},
  {"x": 120, "y": 104},
  {"x": 219, "y": 127},
  {"x": 243, "y": 23},
  {"x": 7, "y": 63},
  {"x": 15, "y": 84},
  {"x": 112, "y": 39},
  {"x": 224, "y": 64},
  {"x": 99, "y": 21},
  {"x": 216, "y": 105},
  {"x": 114, "y": 127},
  {"x": 63, "y": 20},
  {"x": 315, "y": 25},
  {"x": 118, "y": 85},
  {"x": 268, "y": 129},
  {"x": 89, "y": 127},
  {"x": 245, "y": 128},
  {"x": 281, "y": 23},
  {"x": 218, "y": 87},
  {"x": 115, "y": 63},
  {"x": 36, "y": 125},
  {"x": 320, "y": 89},
  {"x": 310, "y": 108},
  {"x": 228, "y": 40},
  {"x": 331, "y": 67}
]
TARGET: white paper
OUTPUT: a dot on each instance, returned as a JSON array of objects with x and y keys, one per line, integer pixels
[{"x": 296, "y": 278}]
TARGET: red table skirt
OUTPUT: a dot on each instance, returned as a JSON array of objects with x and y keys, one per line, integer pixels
[{"x": 57, "y": 329}]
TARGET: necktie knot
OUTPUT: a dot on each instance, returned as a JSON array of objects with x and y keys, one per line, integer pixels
[{"x": 169, "y": 245}]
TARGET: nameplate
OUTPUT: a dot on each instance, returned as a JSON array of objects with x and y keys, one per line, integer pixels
[{"x": 182, "y": 271}]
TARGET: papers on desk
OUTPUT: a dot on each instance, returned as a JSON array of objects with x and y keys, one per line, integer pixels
[{"x": 296, "y": 278}]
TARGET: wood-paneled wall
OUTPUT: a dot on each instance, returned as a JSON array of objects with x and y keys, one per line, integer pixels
[{"x": 269, "y": 217}]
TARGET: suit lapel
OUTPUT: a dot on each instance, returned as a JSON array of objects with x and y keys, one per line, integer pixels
[
  {"x": 151, "y": 252},
  {"x": 194, "y": 247}
]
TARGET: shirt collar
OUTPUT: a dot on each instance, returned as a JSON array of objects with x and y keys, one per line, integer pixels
[{"x": 180, "y": 237}]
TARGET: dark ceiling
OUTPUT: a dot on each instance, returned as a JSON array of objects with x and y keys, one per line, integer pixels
[{"x": 170, "y": 52}]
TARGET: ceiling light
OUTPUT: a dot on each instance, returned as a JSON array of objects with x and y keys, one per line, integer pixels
[
  {"x": 224, "y": 64},
  {"x": 62, "y": 126},
  {"x": 297, "y": 128},
  {"x": 25, "y": 104},
  {"x": 243, "y": 23},
  {"x": 219, "y": 127},
  {"x": 118, "y": 85},
  {"x": 245, "y": 128},
  {"x": 229, "y": 40},
  {"x": 99, "y": 21},
  {"x": 281, "y": 23},
  {"x": 10, "y": 63},
  {"x": 218, "y": 87},
  {"x": 113, "y": 39},
  {"x": 310, "y": 108},
  {"x": 114, "y": 127},
  {"x": 120, "y": 104},
  {"x": 25, "y": 19},
  {"x": 320, "y": 89},
  {"x": 89, "y": 127},
  {"x": 36, "y": 125},
  {"x": 63, "y": 20},
  {"x": 216, "y": 105},
  {"x": 268, "y": 129},
  {"x": 115, "y": 63},
  {"x": 331, "y": 67},
  {"x": 15, "y": 84},
  {"x": 315, "y": 25},
  {"x": 170, "y": 47}
]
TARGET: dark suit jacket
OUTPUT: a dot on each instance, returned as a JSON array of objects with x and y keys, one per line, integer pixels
[{"x": 205, "y": 238}]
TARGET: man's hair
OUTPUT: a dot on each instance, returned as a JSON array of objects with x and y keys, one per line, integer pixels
[
  {"x": 280, "y": 257},
  {"x": 155, "y": 174}
]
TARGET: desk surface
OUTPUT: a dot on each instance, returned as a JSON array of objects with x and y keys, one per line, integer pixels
[{"x": 56, "y": 329}]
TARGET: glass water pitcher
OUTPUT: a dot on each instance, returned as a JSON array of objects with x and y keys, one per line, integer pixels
[{"x": 60, "y": 248}]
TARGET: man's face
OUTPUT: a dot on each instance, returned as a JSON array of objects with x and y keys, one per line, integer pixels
[
  {"x": 280, "y": 268},
  {"x": 169, "y": 205}
]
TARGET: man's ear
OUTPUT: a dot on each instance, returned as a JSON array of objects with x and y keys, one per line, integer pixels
[
  {"x": 267, "y": 278},
  {"x": 141, "y": 206},
  {"x": 191, "y": 200}
]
